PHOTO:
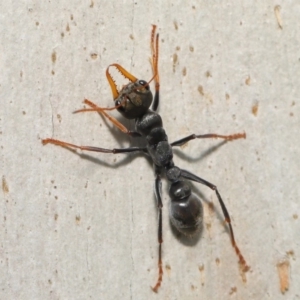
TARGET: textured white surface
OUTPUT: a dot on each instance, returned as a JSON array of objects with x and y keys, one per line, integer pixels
[{"x": 84, "y": 227}]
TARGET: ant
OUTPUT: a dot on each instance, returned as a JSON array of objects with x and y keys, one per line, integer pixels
[{"x": 133, "y": 101}]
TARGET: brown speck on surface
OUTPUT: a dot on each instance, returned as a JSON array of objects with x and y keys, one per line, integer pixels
[
  {"x": 205, "y": 95},
  {"x": 191, "y": 48},
  {"x": 184, "y": 71},
  {"x": 55, "y": 217},
  {"x": 68, "y": 27},
  {"x": 5, "y": 188},
  {"x": 77, "y": 218},
  {"x": 258, "y": 158},
  {"x": 243, "y": 270},
  {"x": 248, "y": 80},
  {"x": 59, "y": 117},
  {"x": 291, "y": 114},
  {"x": 211, "y": 208},
  {"x": 218, "y": 261},
  {"x": 168, "y": 269},
  {"x": 71, "y": 17},
  {"x": 21, "y": 74},
  {"x": 202, "y": 277},
  {"x": 283, "y": 269},
  {"x": 37, "y": 23},
  {"x": 208, "y": 74},
  {"x": 175, "y": 25},
  {"x": 227, "y": 96},
  {"x": 24, "y": 112},
  {"x": 62, "y": 34},
  {"x": 295, "y": 216},
  {"x": 233, "y": 290},
  {"x": 131, "y": 36},
  {"x": 92, "y": 4},
  {"x": 177, "y": 48},
  {"x": 94, "y": 55},
  {"x": 86, "y": 184},
  {"x": 277, "y": 9},
  {"x": 290, "y": 253},
  {"x": 53, "y": 57},
  {"x": 175, "y": 61},
  {"x": 52, "y": 72},
  {"x": 193, "y": 287},
  {"x": 255, "y": 109},
  {"x": 200, "y": 90}
]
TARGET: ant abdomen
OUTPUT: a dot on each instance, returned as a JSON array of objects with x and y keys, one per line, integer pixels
[{"x": 186, "y": 211}]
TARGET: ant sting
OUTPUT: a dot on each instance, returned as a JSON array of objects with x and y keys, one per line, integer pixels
[{"x": 133, "y": 101}]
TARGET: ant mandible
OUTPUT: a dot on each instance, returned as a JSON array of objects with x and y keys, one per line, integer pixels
[{"x": 133, "y": 101}]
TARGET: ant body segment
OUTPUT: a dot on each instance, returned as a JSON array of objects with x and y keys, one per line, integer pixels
[{"x": 133, "y": 101}]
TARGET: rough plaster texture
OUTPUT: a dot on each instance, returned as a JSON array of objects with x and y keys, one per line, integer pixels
[{"x": 84, "y": 226}]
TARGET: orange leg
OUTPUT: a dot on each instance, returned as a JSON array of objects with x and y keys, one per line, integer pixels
[
  {"x": 154, "y": 62},
  {"x": 91, "y": 148},
  {"x": 190, "y": 176},
  {"x": 230, "y": 137},
  {"x": 102, "y": 111},
  {"x": 154, "y": 59},
  {"x": 157, "y": 187}
]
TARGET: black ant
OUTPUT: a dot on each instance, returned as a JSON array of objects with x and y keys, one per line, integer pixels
[{"x": 133, "y": 102}]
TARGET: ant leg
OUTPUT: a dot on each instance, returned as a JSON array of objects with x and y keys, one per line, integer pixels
[
  {"x": 190, "y": 176},
  {"x": 160, "y": 240},
  {"x": 90, "y": 148},
  {"x": 154, "y": 63},
  {"x": 102, "y": 111},
  {"x": 208, "y": 136}
]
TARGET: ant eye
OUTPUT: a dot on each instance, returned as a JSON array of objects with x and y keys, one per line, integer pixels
[
  {"x": 144, "y": 84},
  {"x": 120, "y": 108}
]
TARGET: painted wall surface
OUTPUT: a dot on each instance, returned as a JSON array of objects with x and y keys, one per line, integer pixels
[{"x": 79, "y": 225}]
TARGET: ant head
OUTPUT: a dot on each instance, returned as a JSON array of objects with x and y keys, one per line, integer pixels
[{"x": 134, "y": 99}]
